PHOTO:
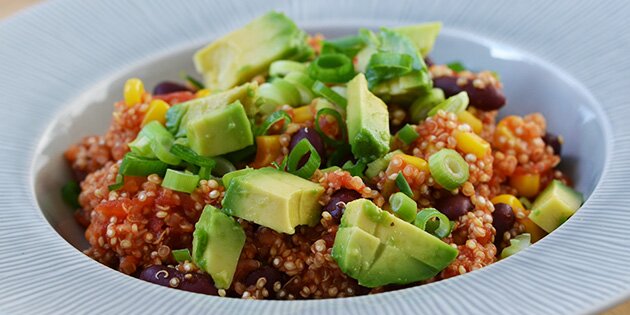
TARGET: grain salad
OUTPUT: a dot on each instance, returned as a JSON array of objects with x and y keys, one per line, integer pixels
[{"x": 300, "y": 167}]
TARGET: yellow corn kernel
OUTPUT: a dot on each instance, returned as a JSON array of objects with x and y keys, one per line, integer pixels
[
  {"x": 133, "y": 92},
  {"x": 509, "y": 200},
  {"x": 419, "y": 163},
  {"x": 268, "y": 148},
  {"x": 157, "y": 111},
  {"x": 527, "y": 185},
  {"x": 472, "y": 143},
  {"x": 467, "y": 117},
  {"x": 535, "y": 231},
  {"x": 303, "y": 114},
  {"x": 202, "y": 93}
]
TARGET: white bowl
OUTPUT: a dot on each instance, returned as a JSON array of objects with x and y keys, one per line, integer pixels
[{"x": 60, "y": 84}]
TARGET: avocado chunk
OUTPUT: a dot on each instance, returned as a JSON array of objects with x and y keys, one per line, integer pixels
[
  {"x": 217, "y": 243},
  {"x": 367, "y": 120},
  {"x": 422, "y": 35},
  {"x": 273, "y": 198},
  {"x": 370, "y": 241},
  {"x": 223, "y": 130},
  {"x": 555, "y": 205},
  {"x": 247, "y": 52}
]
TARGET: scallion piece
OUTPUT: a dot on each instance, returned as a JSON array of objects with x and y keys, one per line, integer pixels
[
  {"x": 420, "y": 108},
  {"x": 223, "y": 166},
  {"x": 272, "y": 120},
  {"x": 408, "y": 134},
  {"x": 192, "y": 81},
  {"x": 425, "y": 217},
  {"x": 133, "y": 165},
  {"x": 182, "y": 255},
  {"x": 189, "y": 155},
  {"x": 331, "y": 68},
  {"x": 70, "y": 194},
  {"x": 355, "y": 169},
  {"x": 387, "y": 65},
  {"x": 448, "y": 168},
  {"x": 281, "y": 68},
  {"x": 456, "y": 66},
  {"x": 403, "y": 206},
  {"x": 293, "y": 160},
  {"x": 120, "y": 182},
  {"x": 403, "y": 185},
  {"x": 322, "y": 90},
  {"x": 162, "y": 150},
  {"x": 341, "y": 124},
  {"x": 517, "y": 244},
  {"x": 205, "y": 173},
  {"x": 180, "y": 181},
  {"x": 454, "y": 104},
  {"x": 349, "y": 45}
]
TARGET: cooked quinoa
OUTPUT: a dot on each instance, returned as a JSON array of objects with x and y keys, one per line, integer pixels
[{"x": 134, "y": 223}]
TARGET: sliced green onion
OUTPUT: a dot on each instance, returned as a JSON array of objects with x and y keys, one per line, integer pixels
[
  {"x": 192, "y": 81},
  {"x": 280, "y": 92},
  {"x": 517, "y": 244},
  {"x": 456, "y": 66},
  {"x": 281, "y": 68},
  {"x": 403, "y": 185},
  {"x": 133, "y": 165},
  {"x": 448, "y": 168},
  {"x": 355, "y": 169},
  {"x": 454, "y": 104},
  {"x": 181, "y": 255},
  {"x": 70, "y": 194},
  {"x": 189, "y": 155},
  {"x": 425, "y": 217},
  {"x": 205, "y": 173},
  {"x": 180, "y": 181},
  {"x": 299, "y": 151},
  {"x": 154, "y": 141},
  {"x": 303, "y": 83},
  {"x": 421, "y": 107},
  {"x": 380, "y": 164},
  {"x": 174, "y": 117},
  {"x": 227, "y": 178},
  {"x": 332, "y": 68},
  {"x": 408, "y": 134},
  {"x": 162, "y": 149},
  {"x": 120, "y": 182},
  {"x": 526, "y": 203},
  {"x": 404, "y": 207},
  {"x": 349, "y": 45},
  {"x": 272, "y": 120},
  {"x": 322, "y": 90},
  {"x": 387, "y": 65},
  {"x": 222, "y": 167},
  {"x": 341, "y": 125},
  {"x": 331, "y": 169}
]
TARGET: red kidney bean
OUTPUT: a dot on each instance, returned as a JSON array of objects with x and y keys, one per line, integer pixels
[
  {"x": 313, "y": 137},
  {"x": 555, "y": 142},
  {"x": 172, "y": 278},
  {"x": 488, "y": 98},
  {"x": 454, "y": 206},
  {"x": 338, "y": 200},
  {"x": 271, "y": 275},
  {"x": 502, "y": 219},
  {"x": 168, "y": 87}
]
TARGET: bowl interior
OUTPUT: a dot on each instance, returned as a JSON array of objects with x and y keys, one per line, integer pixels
[{"x": 530, "y": 85}]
